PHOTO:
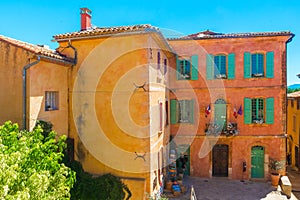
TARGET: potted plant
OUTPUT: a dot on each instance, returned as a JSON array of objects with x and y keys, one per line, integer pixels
[{"x": 275, "y": 166}]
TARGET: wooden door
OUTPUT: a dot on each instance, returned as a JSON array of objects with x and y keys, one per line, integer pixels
[{"x": 220, "y": 160}]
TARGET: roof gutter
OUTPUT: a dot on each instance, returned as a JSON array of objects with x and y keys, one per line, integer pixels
[{"x": 24, "y": 75}]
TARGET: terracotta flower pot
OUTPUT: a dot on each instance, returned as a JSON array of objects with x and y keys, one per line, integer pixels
[{"x": 275, "y": 179}]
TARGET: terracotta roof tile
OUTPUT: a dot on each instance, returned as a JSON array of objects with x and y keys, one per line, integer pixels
[
  {"x": 104, "y": 31},
  {"x": 37, "y": 49},
  {"x": 294, "y": 94},
  {"x": 212, "y": 35}
]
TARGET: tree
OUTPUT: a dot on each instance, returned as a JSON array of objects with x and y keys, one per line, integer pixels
[{"x": 31, "y": 165}]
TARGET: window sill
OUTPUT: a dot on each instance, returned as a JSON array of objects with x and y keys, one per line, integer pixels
[{"x": 259, "y": 125}]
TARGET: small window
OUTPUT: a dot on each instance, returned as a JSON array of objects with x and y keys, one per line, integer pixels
[
  {"x": 257, "y": 65},
  {"x": 294, "y": 123},
  {"x": 298, "y": 104},
  {"x": 51, "y": 100},
  {"x": 292, "y": 103},
  {"x": 220, "y": 66},
  {"x": 165, "y": 66},
  {"x": 184, "y": 69}
]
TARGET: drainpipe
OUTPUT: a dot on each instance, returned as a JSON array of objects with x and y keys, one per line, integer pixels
[
  {"x": 74, "y": 62},
  {"x": 25, "y": 88}
]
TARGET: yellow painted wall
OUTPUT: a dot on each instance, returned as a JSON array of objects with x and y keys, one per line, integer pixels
[
  {"x": 12, "y": 61},
  {"x": 293, "y": 130},
  {"x": 42, "y": 77},
  {"x": 113, "y": 108}
]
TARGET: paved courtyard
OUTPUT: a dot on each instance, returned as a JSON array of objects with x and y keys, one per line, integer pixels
[{"x": 224, "y": 189}]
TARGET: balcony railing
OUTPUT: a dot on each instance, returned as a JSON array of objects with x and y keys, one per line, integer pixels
[{"x": 228, "y": 129}]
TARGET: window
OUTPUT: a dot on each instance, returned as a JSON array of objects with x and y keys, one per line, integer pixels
[
  {"x": 165, "y": 66},
  {"x": 220, "y": 66},
  {"x": 184, "y": 69},
  {"x": 187, "y": 68},
  {"x": 259, "y": 110},
  {"x": 160, "y": 116},
  {"x": 51, "y": 100},
  {"x": 158, "y": 60},
  {"x": 298, "y": 104},
  {"x": 294, "y": 123},
  {"x": 292, "y": 103},
  {"x": 258, "y": 65},
  {"x": 182, "y": 111}
]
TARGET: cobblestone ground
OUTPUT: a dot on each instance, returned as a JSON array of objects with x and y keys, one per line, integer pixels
[{"x": 224, "y": 189}]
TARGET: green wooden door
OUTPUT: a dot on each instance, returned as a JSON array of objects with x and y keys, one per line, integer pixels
[
  {"x": 220, "y": 113},
  {"x": 257, "y": 162},
  {"x": 184, "y": 151}
]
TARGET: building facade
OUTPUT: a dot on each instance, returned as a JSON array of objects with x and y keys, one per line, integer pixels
[
  {"x": 117, "y": 102},
  {"x": 34, "y": 85},
  {"x": 228, "y": 93},
  {"x": 120, "y": 92},
  {"x": 293, "y": 129}
]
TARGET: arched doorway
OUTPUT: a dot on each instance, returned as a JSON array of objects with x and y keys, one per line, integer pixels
[
  {"x": 257, "y": 162},
  {"x": 220, "y": 160}
]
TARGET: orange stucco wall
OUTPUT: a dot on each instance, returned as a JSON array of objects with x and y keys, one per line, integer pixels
[{"x": 206, "y": 92}]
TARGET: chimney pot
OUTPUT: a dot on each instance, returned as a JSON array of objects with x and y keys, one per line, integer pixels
[{"x": 86, "y": 16}]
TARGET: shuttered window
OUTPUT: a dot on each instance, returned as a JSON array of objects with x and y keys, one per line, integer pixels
[
  {"x": 187, "y": 69},
  {"x": 220, "y": 66},
  {"x": 259, "y": 65},
  {"x": 182, "y": 111},
  {"x": 259, "y": 111}
]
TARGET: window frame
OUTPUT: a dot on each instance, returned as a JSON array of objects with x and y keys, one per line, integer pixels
[
  {"x": 51, "y": 100},
  {"x": 183, "y": 66},
  {"x": 183, "y": 111},
  {"x": 218, "y": 66},
  {"x": 257, "y": 64},
  {"x": 258, "y": 107}
]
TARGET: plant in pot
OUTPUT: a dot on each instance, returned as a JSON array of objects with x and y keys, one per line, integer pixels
[{"x": 275, "y": 167}]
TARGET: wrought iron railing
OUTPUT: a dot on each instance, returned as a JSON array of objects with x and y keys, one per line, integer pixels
[{"x": 228, "y": 129}]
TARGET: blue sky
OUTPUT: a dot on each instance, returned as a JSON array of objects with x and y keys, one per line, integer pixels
[{"x": 36, "y": 21}]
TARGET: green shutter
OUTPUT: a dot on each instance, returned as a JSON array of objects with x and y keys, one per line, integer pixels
[
  {"x": 270, "y": 110},
  {"x": 270, "y": 64},
  {"x": 177, "y": 68},
  {"x": 192, "y": 108},
  {"x": 173, "y": 109},
  {"x": 231, "y": 66},
  {"x": 247, "y": 111},
  {"x": 194, "y": 60},
  {"x": 247, "y": 65},
  {"x": 209, "y": 66}
]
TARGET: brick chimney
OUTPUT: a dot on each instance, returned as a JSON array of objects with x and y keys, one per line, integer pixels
[{"x": 85, "y": 18}]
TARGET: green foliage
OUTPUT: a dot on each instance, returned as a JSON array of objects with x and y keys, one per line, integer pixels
[
  {"x": 106, "y": 187},
  {"x": 276, "y": 165},
  {"x": 31, "y": 166},
  {"x": 289, "y": 90}
]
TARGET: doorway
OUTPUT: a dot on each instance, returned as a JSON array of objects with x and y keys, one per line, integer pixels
[
  {"x": 257, "y": 162},
  {"x": 220, "y": 160}
]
